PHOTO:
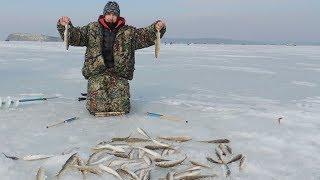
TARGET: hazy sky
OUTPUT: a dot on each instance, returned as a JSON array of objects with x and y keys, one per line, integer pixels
[{"x": 266, "y": 20}]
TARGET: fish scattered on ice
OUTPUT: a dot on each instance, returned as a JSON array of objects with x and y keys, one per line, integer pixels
[
  {"x": 217, "y": 141},
  {"x": 234, "y": 159},
  {"x": 120, "y": 138},
  {"x": 128, "y": 157},
  {"x": 176, "y": 138},
  {"x": 158, "y": 147},
  {"x": 168, "y": 164},
  {"x": 29, "y": 157},
  {"x": 137, "y": 140},
  {"x": 120, "y": 155},
  {"x": 161, "y": 144},
  {"x": 36, "y": 157}
]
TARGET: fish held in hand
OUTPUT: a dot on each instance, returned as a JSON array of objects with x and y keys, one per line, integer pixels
[
  {"x": 157, "y": 44},
  {"x": 66, "y": 36}
]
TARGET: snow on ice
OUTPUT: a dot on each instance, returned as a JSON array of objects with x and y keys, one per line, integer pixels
[{"x": 224, "y": 91}]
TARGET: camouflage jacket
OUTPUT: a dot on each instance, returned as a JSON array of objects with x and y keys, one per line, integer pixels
[{"x": 128, "y": 39}]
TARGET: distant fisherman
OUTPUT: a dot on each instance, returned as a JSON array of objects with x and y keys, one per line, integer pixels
[{"x": 110, "y": 57}]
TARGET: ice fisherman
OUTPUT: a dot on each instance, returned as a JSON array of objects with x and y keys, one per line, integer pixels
[{"x": 110, "y": 56}]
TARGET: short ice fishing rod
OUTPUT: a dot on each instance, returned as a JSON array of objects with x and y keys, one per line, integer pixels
[
  {"x": 162, "y": 116},
  {"x": 8, "y": 102},
  {"x": 65, "y": 121}
]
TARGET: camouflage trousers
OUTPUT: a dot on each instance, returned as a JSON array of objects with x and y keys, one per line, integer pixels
[{"x": 108, "y": 93}]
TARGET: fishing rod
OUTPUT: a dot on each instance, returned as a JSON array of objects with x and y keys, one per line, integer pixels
[
  {"x": 65, "y": 121},
  {"x": 162, "y": 116},
  {"x": 8, "y": 102}
]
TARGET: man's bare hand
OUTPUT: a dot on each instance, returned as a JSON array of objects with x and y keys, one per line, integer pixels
[
  {"x": 64, "y": 20},
  {"x": 160, "y": 24}
]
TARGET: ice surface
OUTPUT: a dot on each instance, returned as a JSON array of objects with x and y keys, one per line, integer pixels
[{"x": 224, "y": 91}]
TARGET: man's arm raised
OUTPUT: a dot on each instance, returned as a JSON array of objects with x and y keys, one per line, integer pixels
[
  {"x": 78, "y": 35},
  {"x": 145, "y": 37}
]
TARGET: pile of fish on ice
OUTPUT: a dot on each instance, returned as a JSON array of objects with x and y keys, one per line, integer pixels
[{"x": 136, "y": 157}]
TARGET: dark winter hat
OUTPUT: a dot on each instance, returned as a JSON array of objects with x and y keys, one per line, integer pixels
[{"x": 113, "y": 7}]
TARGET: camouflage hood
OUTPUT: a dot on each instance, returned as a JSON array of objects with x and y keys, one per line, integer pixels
[{"x": 120, "y": 22}]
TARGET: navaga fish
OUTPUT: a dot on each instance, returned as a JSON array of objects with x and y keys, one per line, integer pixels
[
  {"x": 157, "y": 44},
  {"x": 66, "y": 36},
  {"x": 128, "y": 157}
]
